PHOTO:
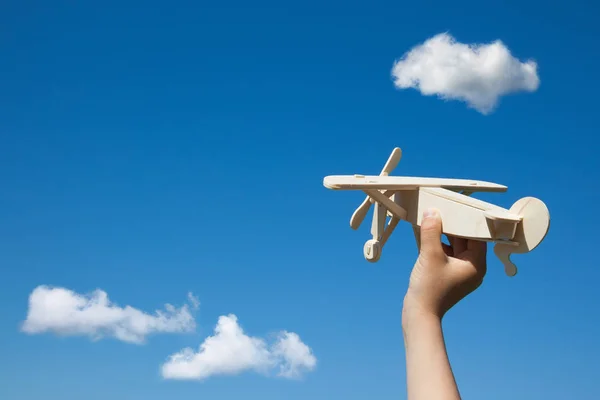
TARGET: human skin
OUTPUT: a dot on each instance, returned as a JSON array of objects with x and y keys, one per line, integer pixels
[{"x": 441, "y": 277}]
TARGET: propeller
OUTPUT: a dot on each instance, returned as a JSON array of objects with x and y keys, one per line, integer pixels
[{"x": 362, "y": 210}]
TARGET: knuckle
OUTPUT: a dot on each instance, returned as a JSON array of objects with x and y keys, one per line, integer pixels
[{"x": 434, "y": 256}]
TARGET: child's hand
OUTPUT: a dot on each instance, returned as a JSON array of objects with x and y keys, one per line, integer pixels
[{"x": 443, "y": 275}]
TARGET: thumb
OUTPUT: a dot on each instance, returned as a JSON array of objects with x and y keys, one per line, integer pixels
[{"x": 431, "y": 235}]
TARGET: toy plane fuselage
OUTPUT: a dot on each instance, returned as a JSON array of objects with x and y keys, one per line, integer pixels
[{"x": 516, "y": 230}]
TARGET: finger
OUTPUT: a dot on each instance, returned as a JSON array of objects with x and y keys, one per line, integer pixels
[
  {"x": 448, "y": 250},
  {"x": 477, "y": 251},
  {"x": 474, "y": 267},
  {"x": 459, "y": 245},
  {"x": 467, "y": 273},
  {"x": 431, "y": 235},
  {"x": 477, "y": 246}
]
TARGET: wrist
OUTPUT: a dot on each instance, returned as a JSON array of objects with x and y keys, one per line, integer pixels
[{"x": 415, "y": 315}]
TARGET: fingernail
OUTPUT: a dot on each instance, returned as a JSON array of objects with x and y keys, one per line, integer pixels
[{"x": 430, "y": 213}]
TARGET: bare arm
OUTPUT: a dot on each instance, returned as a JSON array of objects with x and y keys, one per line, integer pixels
[
  {"x": 442, "y": 276},
  {"x": 429, "y": 375}
]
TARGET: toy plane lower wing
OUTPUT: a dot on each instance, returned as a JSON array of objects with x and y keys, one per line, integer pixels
[{"x": 362, "y": 182}]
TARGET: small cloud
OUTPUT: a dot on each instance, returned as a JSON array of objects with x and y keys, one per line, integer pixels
[
  {"x": 294, "y": 355},
  {"x": 67, "y": 313},
  {"x": 478, "y": 74},
  {"x": 230, "y": 351},
  {"x": 193, "y": 301}
]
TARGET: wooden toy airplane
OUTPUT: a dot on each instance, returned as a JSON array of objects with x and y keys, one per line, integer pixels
[{"x": 519, "y": 229}]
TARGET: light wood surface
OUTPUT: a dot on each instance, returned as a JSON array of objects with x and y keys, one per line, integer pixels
[
  {"x": 519, "y": 229},
  {"x": 361, "y": 182}
]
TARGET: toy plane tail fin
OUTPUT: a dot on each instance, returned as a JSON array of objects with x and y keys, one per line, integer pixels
[{"x": 528, "y": 233}]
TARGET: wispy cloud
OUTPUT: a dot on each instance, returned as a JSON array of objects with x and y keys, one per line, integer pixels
[
  {"x": 478, "y": 74},
  {"x": 67, "y": 313},
  {"x": 230, "y": 351}
]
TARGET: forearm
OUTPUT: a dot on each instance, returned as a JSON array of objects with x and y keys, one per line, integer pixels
[{"x": 428, "y": 371}]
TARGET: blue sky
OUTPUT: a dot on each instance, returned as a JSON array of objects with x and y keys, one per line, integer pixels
[{"x": 153, "y": 149}]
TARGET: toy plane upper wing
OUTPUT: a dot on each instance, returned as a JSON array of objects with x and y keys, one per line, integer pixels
[{"x": 361, "y": 182}]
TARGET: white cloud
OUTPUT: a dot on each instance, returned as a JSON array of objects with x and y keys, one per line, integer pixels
[
  {"x": 193, "y": 301},
  {"x": 478, "y": 74},
  {"x": 294, "y": 355},
  {"x": 230, "y": 351},
  {"x": 67, "y": 313}
]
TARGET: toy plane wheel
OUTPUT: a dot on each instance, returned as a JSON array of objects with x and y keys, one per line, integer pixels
[{"x": 372, "y": 250}]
